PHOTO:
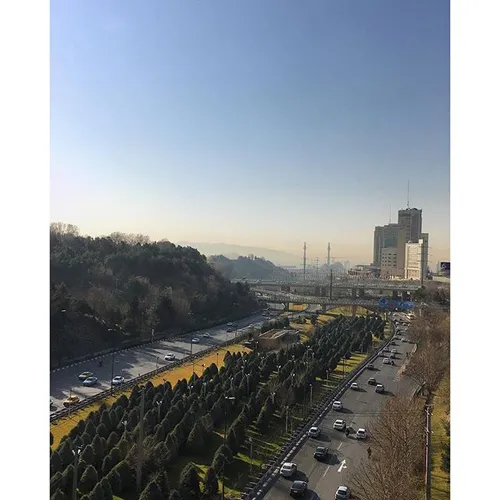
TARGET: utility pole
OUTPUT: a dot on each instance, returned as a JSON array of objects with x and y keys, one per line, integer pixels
[
  {"x": 76, "y": 453},
  {"x": 112, "y": 370},
  {"x": 428, "y": 437},
  {"x": 305, "y": 253},
  {"x": 328, "y": 258},
  {"x": 331, "y": 284},
  {"x": 139, "y": 444}
]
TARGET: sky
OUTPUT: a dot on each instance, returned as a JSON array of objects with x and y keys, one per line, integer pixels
[{"x": 262, "y": 123}]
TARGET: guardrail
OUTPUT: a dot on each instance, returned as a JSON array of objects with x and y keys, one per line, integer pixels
[
  {"x": 256, "y": 490},
  {"x": 137, "y": 380}
]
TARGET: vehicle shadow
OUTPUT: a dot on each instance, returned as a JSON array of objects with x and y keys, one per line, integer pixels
[
  {"x": 300, "y": 476},
  {"x": 312, "y": 495},
  {"x": 346, "y": 411}
]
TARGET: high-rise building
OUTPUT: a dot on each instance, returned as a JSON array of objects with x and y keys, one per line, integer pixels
[
  {"x": 389, "y": 263},
  {"x": 411, "y": 220},
  {"x": 416, "y": 255},
  {"x": 378, "y": 239}
]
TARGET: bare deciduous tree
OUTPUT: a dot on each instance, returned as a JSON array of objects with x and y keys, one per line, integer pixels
[{"x": 397, "y": 442}]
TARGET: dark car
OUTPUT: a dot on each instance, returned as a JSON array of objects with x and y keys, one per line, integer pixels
[
  {"x": 321, "y": 453},
  {"x": 370, "y": 366},
  {"x": 298, "y": 489},
  {"x": 372, "y": 381}
]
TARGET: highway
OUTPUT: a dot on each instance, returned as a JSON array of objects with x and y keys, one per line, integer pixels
[
  {"x": 359, "y": 407},
  {"x": 137, "y": 361}
]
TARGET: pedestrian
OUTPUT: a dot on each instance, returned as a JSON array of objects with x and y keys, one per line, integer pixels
[{"x": 369, "y": 451}]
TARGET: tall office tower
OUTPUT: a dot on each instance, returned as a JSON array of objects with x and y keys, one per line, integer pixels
[
  {"x": 378, "y": 244},
  {"x": 411, "y": 219},
  {"x": 416, "y": 255}
]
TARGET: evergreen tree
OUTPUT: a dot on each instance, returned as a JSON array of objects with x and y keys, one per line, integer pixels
[
  {"x": 152, "y": 492},
  {"x": 55, "y": 462},
  {"x": 58, "y": 495},
  {"x": 210, "y": 482},
  {"x": 174, "y": 495},
  {"x": 195, "y": 441},
  {"x": 189, "y": 482},
  {"x": 89, "y": 479},
  {"x": 115, "y": 481},
  {"x": 106, "y": 488}
]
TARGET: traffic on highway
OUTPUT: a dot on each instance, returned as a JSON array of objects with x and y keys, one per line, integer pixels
[
  {"x": 342, "y": 438},
  {"x": 74, "y": 383}
]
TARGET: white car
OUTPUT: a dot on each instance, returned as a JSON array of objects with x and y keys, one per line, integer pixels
[
  {"x": 386, "y": 361},
  {"x": 337, "y": 405},
  {"x": 195, "y": 340},
  {"x": 314, "y": 432},
  {"x": 393, "y": 351},
  {"x": 361, "y": 434},
  {"x": 355, "y": 386},
  {"x": 342, "y": 493},
  {"x": 170, "y": 356},
  {"x": 339, "y": 424},
  {"x": 288, "y": 469},
  {"x": 117, "y": 380},
  {"x": 392, "y": 355},
  {"x": 206, "y": 335},
  {"x": 90, "y": 381},
  {"x": 380, "y": 388}
]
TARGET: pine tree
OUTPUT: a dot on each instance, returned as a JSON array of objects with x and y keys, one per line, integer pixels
[
  {"x": 195, "y": 441},
  {"x": 189, "y": 482},
  {"x": 152, "y": 492},
  {"x": 210, "y": 482},
  {"x": 89, "y": 479}
]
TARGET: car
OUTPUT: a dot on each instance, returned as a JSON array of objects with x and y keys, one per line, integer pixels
[
  {"x": 90, "y": 381},
  {"x": 288, "y": 469},
  {"x": 404, "y": 339},
  {"x": 170, "y": 356},
  {"x": 117, "y": 380},
  {"x": 321, "y": 453},
  {"x": 298, "y": 489},
  {"x": 372, "y": 381},
  {"x": 339, "y": 424},
  {"x": 85, "y": 375},
  {"x": 314, "y": 432},
  {"x": 386, "y": 361},
  {"x": 392, "y": 355},
  {"x": 380, "y": 388},
  {"x": 370, "y": 366},
  {"x": 355, "y": 386},
  {"x": 393, "y": 351},
  {"x": 342, "y": 493},
  {"x": 195, "y": 340},
  {"x": 206, "y": 335},
  {"x": 229, "y": 330},
  {"x": 52, "y": 405},
  {"x": 337, "y": 405},
  {"x": 361, "y": 433},
  {"x": 70, "y": 401}
]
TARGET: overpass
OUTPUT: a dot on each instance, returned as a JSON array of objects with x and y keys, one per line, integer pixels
[{"x": 385, "y": 285}]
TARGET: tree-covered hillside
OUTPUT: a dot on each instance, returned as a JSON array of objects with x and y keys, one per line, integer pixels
[
  {"x": 106, "y": 289},
  {"x": 249, "y": 268}
]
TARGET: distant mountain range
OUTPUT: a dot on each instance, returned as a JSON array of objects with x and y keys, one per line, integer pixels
[
  {"x": 249, "y": 268},
  {"x": 235, "y": 251}
]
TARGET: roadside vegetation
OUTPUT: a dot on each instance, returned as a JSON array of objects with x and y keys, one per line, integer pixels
[
  {"x": 109, "y": 290},
  {"x": 185, "y": 456},
  {"x": 252, "y": 268},
  {"x": 397, "y": 437}
]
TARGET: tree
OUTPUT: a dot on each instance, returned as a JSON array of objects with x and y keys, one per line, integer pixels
[
  {"x": 58, "y": 495},
  {"x": 152, "y": 492},
  {"x": 87, "y": 454},
  {"x": 89, "y": 479},
  {"x": 106, "y": 488},
  {"x": 189, "y": 482},
  {"x": 210, "y": 482},
  {"x": 97, "y": 493},
  {"x": 115, "y": 481},
  {"x": 56, "y": 482},
  {"x": 55, "y": 462},
  {"x": 175, "y": 495},
  {"x": 195, "y": 441}
]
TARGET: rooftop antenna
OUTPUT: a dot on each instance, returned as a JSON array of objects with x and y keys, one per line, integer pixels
[
  {"x": 390, "y": 213},
  {"x": 305, "y": 250},
  {"x": 408, "y": 197},
  {"x": 328, "y": 258}
]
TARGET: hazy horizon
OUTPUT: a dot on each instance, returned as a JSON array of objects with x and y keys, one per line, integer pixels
[{"x": 253, "y": 124}]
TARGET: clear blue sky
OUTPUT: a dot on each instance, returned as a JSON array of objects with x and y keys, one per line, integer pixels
[{"x": 263, "y": 122}]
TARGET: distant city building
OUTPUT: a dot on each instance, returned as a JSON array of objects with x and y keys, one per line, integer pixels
[
  {"x": 411, "y": 220},
  {"x": 389, "y": 263},
  {"x": 416, "y": 259},
  {"x": 365, "y": 271},
  {"x": 378, "y": 244}
]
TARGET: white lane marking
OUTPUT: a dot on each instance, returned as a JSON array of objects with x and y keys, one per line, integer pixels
[
  {"x": 326, "y": 471},
  {"x": 342, "y": 465},
  {"x": 338, "y": 448}
]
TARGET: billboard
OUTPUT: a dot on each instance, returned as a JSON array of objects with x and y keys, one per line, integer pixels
[
  {"x": 402, "y": 305},
  {"x": 444, "y": 267}
]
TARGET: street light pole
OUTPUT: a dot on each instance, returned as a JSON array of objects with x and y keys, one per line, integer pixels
[
  {"x": 76, "y": 453},
  {"x": 311, "y": 387},
  {"x": 226, "y": 398},
  {"x": 139, "y": 444},
  {"x": 112, "y": 370}
]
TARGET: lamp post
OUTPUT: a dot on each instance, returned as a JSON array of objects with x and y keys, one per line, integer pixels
[
  {"x": 112, "y": 370},
  {"x": 226, "y": 399},
  {"x": 311, "y": 389},
  {"x": 250, "y": 440},
  {"x": 217, "y": 354},
  {"x": 286, "y": 419},
  {"x": 76, "y": 453}
]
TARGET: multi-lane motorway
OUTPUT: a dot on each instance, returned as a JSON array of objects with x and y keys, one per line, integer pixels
[
  {"x": 359, "y": 408},
  {"x": 135, "y": 361}
]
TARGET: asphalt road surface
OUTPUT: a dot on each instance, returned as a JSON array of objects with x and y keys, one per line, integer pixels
[
  {"x": 359, "y": 408},
  {"x": 137, "y": 361}
]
